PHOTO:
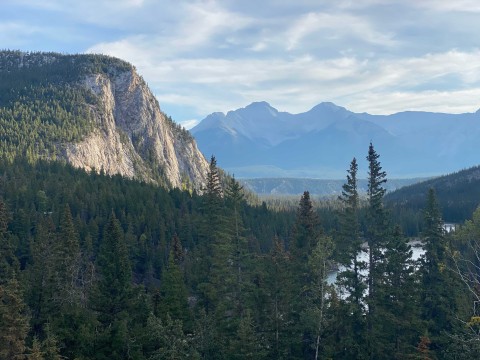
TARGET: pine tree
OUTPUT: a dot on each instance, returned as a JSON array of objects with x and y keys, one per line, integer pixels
[
  {"x": 215, "y": 247},
  {"x": 438, "y": 288},
  {"x": 278, "y": 283},
  {"x": 318, "y": 290},
  {"x": 398, "y": 318},
  {"x": 173, "y": 291},
  {"x": 306, "y": 234},
  {"x": 247, "y": 342},
  {"x": 68, "y": 266},
  {"x": 41, "y": 275},
  {"x": 13, "y": 321},
  {"x": 112, "y": 297},
  {"x": 351, "y": 280},
  {"x": 306, "y": 229},
  {"x": 8, "y": 261},
  {"x": 377, "y": 235},
  {"x": 234, "y": 198},
  {"x": 168, "y": 339}
]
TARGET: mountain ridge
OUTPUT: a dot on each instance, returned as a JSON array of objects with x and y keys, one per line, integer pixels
[
  {"x": 411, "y": 143},
  {"x": 121, "y": 128}
]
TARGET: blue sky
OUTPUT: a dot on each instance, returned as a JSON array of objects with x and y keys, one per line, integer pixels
[{"x": 199, "y": 57}]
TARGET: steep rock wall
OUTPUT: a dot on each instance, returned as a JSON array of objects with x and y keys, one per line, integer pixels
[{"x": 133, "y": 137}]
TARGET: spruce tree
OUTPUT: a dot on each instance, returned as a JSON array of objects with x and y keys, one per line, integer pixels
[
  {"x": 376, "y": 235},
  {"x": 438, "y": 287},
  {"x": 398, "y": 315},
  {"x": 167, "y": 340},
  {"x": 316, "y": 310},
  {"x": 351, "y": 280},
  {"x": 278, "y": 283},
  {"x": 173, "y": 291},
  {"x": 13, "y": 321},
  {"x": 41, "y": 275},
  {"x": 68, "y": 266},
  {"x": 215, "y": 247},
  {"x": 112, "y": 297},
  {"x": 234, "y": 199},
  {"x": 306, "y": 233}
]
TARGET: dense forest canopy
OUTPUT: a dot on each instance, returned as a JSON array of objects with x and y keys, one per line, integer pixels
[{"x": 102, "y": 267}]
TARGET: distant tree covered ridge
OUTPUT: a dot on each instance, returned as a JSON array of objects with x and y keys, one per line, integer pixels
[{"x": 42, "y": 103}]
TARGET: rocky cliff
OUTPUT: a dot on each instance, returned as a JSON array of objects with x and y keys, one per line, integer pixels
[
  {"x": 128, "y": 134},
  {"x": 133, "y": 134}
]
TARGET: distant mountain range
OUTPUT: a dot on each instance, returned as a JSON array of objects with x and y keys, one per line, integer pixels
[{"x": 258, "y": 141}]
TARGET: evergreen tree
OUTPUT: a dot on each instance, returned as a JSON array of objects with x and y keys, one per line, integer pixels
[
  {"x": 305, "y": 237},
  {"x": 376, "y": 234},
  {"x": 318, "y": 291},
  {"x": 112, "y": 297},
  {"x": 36, "y": 350},
  {"x": 234, "y": 198},
  {"x": 215, "y": 250},
  {"x": 167, "y": 339},
  {"x": 8, "y": 260},
  {"x": 351, "y": 280},
  {"x": 466, "y": 257},
  {"x": 438, "y": 288},
  {"x": 69, "y": 259},
  {"x": 173, "y": 291},
  {"x": 13, "y": 321},
  {"x": 247, "y": 343},
  {"x": 306, "y": 229},
  {"x": 398, "y": 318},
  {"x": 41, "y": 275},
  {"x": 278, "y": 283}
]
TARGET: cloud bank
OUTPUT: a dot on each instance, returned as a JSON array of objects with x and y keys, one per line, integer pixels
[{"x": 204, "y": 56}]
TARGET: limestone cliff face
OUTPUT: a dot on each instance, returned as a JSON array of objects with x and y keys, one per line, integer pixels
[{"x": 132, "y": 137}]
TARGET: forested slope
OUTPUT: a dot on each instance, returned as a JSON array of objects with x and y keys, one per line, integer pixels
[
  {"x": 102, "y": 267},
  {"x": 95, "y": 112},
  {"x": 458, "y": 196}
]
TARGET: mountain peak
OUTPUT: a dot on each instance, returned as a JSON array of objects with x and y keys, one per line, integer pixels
[
  {"x": 328, "y": 106},
  {"x": 260, "y": 109}
]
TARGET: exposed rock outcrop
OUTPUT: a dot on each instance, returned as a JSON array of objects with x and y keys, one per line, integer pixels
[{"x": 133, "y": 137}]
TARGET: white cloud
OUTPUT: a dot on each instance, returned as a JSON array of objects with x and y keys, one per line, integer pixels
[
  {"x": 336, "y": 25},
  {"x": 298, "y": 83},
  {"x": 188, "y": 124},
  {"x": 456, "y": 101},
  {"x": 208, "y": 55},
  {"x": 467, "y": 6}
]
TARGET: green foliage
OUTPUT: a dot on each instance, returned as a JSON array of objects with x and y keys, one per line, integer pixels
[
  {"x": 168, "y": 340},
  {"x": 42, "y": 103},
  {"x": 13, "y": 321},
  {"x": 102, "y": 267},
  {"x": 438, "y": 303},
  {"x": 458, "y": 195}
]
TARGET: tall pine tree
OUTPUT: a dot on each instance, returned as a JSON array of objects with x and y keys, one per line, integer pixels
[
  {"x": 438, "y": 287},
  {"x": 376, "y": 236},
  {"x": 351, "y": 280},
  {"x": 112, "y": 297}
]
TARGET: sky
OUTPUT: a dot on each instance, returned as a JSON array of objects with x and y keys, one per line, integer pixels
[{"x": 199, "y": 57}]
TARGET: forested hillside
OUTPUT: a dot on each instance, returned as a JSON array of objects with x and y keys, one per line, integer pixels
[
  {"x": 458, "y": 195},
  {"x": 101, "y": 267},
  {"x": 94, "y": 112}
]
